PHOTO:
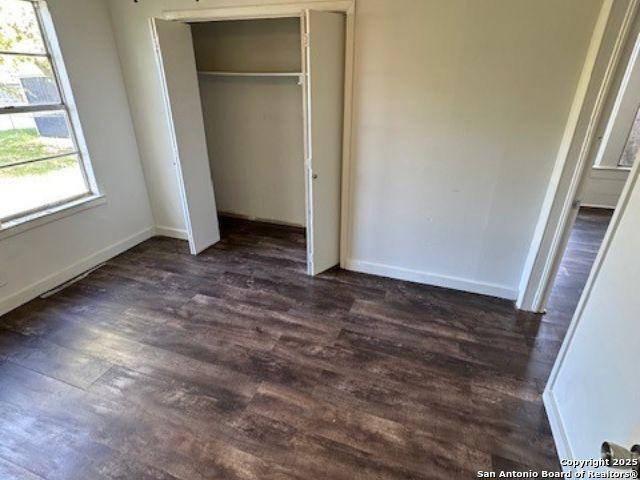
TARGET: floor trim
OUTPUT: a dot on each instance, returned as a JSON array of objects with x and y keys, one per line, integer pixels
[
  {"x": 251, "y": 218},
  {"x": 557, "y": 428},
  {"x": 171, "y": 232},
  {"x": 38, "y": 288},
  {"x": 455, "y": 283}
]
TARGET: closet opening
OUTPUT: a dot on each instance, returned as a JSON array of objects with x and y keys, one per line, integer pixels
[
  {"x": 257, "y": 105},
  {"x": 250, "y": 79}
]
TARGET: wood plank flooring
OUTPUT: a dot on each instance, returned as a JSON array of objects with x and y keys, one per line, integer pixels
[
  {"x": 236, "y": 365},
  {"x": 582, "y": 249}
]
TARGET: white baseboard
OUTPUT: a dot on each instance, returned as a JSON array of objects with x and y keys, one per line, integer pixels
[
  {"x": 38, "y": 288},
  {"x": 557, "y": 427},
  {"x": 171, "y": 232},
  {"x": 455, "y": 283},
  {"x": 251, "y": 218}
]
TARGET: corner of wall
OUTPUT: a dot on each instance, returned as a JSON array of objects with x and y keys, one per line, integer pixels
[{"x": 116, "y": 47}]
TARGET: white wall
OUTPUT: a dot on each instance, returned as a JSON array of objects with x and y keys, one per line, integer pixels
[
  {"x": 256, "y": 150},
  {"x": 595, "y": 395},
  {"x": 254, "y": 125},
  {"x": 459, "y": 110},
  {"x": 603, "y": 187},
  {"x": 36, "y": 260},
  {"x": 135, "y": 47}
]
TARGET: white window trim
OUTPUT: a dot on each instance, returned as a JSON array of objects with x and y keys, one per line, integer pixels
[
  {"x": 75, "y": 205},
  {"x": 622, "y": 117},
  {"x": 614, "y": 167},
  {"x": 48, "y": 215}
]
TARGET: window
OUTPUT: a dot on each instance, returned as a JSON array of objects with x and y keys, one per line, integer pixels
[
  {"x": 41, "y": 164},
  {"x": 633, "y": 144}
]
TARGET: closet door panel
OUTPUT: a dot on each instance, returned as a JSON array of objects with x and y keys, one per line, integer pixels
[
  {"x": 177, "y": 68},
  {"x": 325, "y": 48}
]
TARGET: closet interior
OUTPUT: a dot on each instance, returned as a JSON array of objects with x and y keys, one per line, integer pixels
[
  {"x": 250, "y": 78},
  {"x": 255, "y": 113}
]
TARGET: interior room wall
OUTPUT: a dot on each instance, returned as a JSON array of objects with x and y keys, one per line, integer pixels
[
  {"x": 595, "y": 395},
  {"x": 254, "y": 124},
  {"x": 36, "y": 260},
  {"x": 266, "y": 45},
  {"x": 459, "y": 110}
]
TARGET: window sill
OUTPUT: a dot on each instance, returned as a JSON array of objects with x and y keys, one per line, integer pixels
[
  {"x": 616, "y": 168},
  {"x": 23, "y": 224}
]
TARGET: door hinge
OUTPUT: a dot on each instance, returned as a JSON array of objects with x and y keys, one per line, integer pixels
[{"x": 305, "y": 40}]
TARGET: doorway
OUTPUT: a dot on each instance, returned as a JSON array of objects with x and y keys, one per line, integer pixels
[
  {"x": 250, "y": 81},
  {"x": 611, "y": 158},
  {"x": 593, "y": 168},
  {"x": 245, "y": 136}
]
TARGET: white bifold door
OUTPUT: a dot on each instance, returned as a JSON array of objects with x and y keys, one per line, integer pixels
[
  {"x": 323, "y": 51},
  {"x": 324, "y": 47},
  {"x": 179, "y": 79}
]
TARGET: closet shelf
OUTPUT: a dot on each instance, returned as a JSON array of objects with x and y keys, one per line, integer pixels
[{"x": 220, "y": 73}]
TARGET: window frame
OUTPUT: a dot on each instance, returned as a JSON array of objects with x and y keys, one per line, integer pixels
[
  {"x": 621, "y": 109},
  {"x": 65, "y": 106},
  {"x": 632, "y": 129}
]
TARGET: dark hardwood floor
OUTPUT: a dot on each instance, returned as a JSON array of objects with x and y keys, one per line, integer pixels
[
  {"x": 236, "y": 365},
  {"x": 584, "y": 243}
]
